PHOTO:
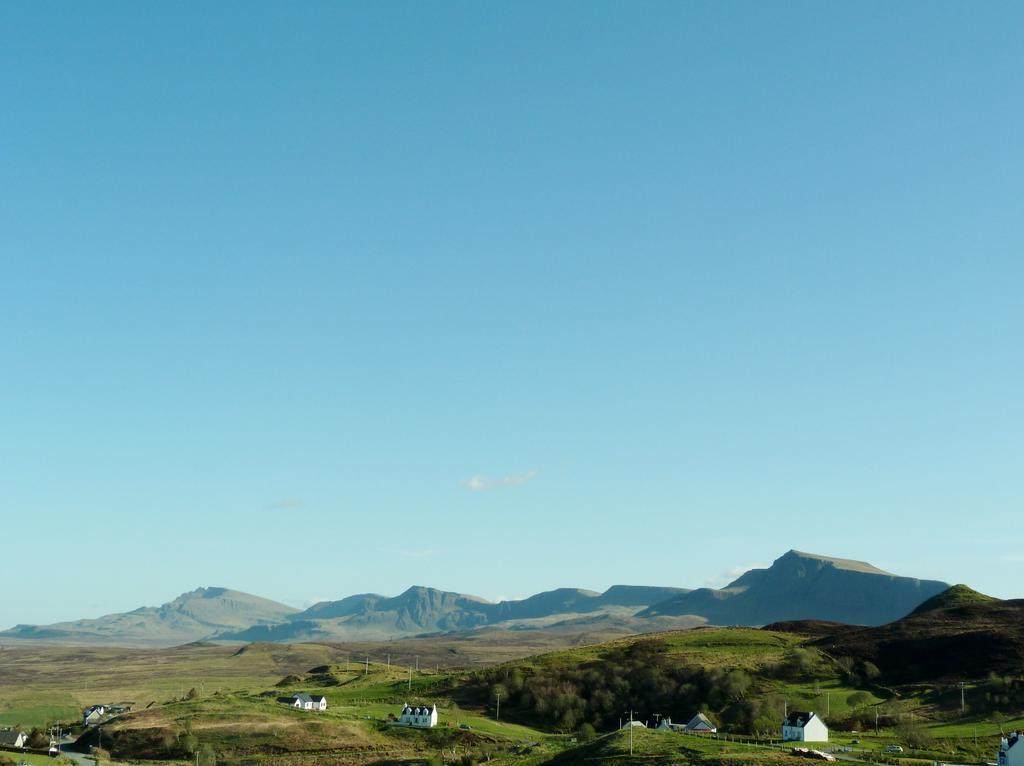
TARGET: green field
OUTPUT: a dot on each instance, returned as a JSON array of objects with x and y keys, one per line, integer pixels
[{"x": 218, "y": 701}]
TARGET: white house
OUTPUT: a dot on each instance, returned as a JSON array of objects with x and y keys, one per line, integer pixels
[
  {"x": 701, "y": 724},
  {"x": 1011, "y": 750},
  {"x": 804, "y": 727},
  {"x": 304, "y": 701},
  {"x": 420, "y": 716},
  {"x": 93, "y": 714},
  {"x": 11, "y": 738}
]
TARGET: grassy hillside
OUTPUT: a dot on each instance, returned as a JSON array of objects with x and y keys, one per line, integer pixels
[
  {"x": 957, "y": 595},
  {"x": 968, "y": 639},
  {"x": 558, "y": 707},
  {"x": 40, "y": 683},
  {"x": 256, "y": 725}
]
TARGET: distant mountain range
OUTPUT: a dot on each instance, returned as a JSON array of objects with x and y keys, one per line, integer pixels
[
  {"x": 191, "y": 616},
  {"x": 422, "y": 610},
  {"x": 798, "y": 586}
]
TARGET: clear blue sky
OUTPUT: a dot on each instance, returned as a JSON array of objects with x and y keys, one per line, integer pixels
[{"x": 323, "y": 298}]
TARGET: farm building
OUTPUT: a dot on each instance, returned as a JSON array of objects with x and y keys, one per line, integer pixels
[
  {"x": 634, "y": 724},
  {"x": 804, "y": 727},
  {"x": 12, "y": 738},
  {"x": 700, "y": 723},
  {"x": 304, "y": 701},
  {"x": 420, "y": 716},
  {"x": 1011, "y": 750},
  {"x": 93, "y": 714}
]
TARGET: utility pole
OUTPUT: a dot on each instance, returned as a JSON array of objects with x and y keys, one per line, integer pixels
[
  {"x": 367, "y": 671},
  {"x": 389, "y": 660},
  {"x": 630, "y": 724},
  {"x": 410, "y": 678},
  {"x": 497, "y": 715},
  {"x": 828, "y": 704},
  {"x": 417, "y": 663},
  {"x": 876, "y": 720},
  {"x": 962, "y": 703}
]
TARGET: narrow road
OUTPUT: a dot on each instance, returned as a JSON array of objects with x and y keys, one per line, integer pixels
[{"x": 80, "y": 758}]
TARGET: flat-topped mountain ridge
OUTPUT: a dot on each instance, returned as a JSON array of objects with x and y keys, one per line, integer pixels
[{"x": 802, "y": 586}]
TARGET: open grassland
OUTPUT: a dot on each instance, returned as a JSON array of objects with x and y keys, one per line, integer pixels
[
  {"x": 661, "y": 747},
  {"x": 43, "y": 683},
  {"x": 256, "y": 724},
  {"x": 235, "y": 714},
  {"x": 39, "y": 685},
  {"x": 748, "y": 648}
]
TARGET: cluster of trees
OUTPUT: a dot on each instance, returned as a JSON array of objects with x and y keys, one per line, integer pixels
[
  {"x": 998, "y": 693},
  {"x": 858, "y": 673},
  {"x": 595, "y": 695}
]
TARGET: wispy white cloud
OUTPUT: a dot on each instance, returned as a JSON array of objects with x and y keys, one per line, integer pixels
[
  {"x": 411, "y": 554},
  {"x": 306, "y": 603},
  {"x": 479, "y": 483},
  {"x": 286, "y": 504},
  {"x": 724, "y": 578}
]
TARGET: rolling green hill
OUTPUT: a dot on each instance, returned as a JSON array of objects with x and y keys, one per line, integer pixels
[
  {"x": 958, "y": 635},
  {"x": 957, "y": 595},
  {"x": 214, "y": 702}
]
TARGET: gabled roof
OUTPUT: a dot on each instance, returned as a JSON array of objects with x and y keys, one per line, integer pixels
[
  {"x": 698, "y": 720},
  {"x": 798, "y": 719},
  {"x": 316, "y": 697},
  {"x": 10, "y": 737},
  {"x": 1014, "y": 738},
  {"x": 302, "y": 697},
  {"x": 418, "y": 709}
]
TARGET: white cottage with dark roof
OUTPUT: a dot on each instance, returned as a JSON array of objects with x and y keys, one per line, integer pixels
[
  {"x": 304, "y": 701},
  {"x": 1011, "y": 750},
  {"x": 12, "y": 738},
  {"x": 420, "y": 716},
  {"x": 804, "y": 727}
]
